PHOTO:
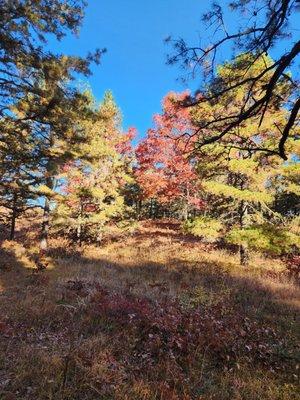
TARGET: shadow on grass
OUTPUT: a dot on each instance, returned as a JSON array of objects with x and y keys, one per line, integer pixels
[
  {"x": 185, "y": 285},
  {"x": 266, "y": 301}
]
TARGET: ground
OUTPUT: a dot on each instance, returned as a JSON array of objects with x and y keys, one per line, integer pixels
[{"x": 156, "y": 315}]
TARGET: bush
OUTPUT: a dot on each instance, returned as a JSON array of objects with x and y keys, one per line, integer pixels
[
  {"x": 205, "y": 227},
  {"x": 293, "y": 266},
  {"x": 267, "y": 238}
]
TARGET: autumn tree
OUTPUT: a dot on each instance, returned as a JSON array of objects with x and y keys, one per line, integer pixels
[
  {"x": 261, "y": 26},
  {"x": 164, "y": 172}
]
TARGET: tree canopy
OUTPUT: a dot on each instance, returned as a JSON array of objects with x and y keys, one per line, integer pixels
[{"x": 262, "y": 25}]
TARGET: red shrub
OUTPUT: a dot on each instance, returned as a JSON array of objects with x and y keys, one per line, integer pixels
[
  {"x": 293, "y": 266},
  {"x": 170, "y": 332}
]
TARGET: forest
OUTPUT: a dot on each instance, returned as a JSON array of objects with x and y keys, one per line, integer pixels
[{"x": 150, "y": 265}]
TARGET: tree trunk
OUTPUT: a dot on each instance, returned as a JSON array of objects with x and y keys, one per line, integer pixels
[
  {"x": 79, "y": 227},
  {"x": 151, "y": 209},
  {"x": 45, "y": 225},
  {"x": 13, "y": 218},
  {"x": 79, "y": 235},
  {"x": 185, "y": 212},
  {"x": 50, "y": 183},
  {"x": 186, "y": 205},
  {"x": 244, "y": 252},
  {"x": 244, "y": 255}
]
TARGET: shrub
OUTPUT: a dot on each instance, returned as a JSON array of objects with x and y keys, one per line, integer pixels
[
  {"x": 205, "y": 227},
  {"x": 267, "y": 238},
  {"x": 294, "y": 225},
  {"x": 160, "y": 332},
  {"x": 293, "y": 266}
]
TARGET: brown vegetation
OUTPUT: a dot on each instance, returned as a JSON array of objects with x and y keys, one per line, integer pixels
[{"x": 153, "y": 316}]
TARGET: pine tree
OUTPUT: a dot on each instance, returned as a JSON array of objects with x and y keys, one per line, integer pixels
[
  {"x": 94, "y": 182},
  {"x": 18, "y": 168},
  {"x": 238, "y": 178},
  {"x": 40, "y": 107}
]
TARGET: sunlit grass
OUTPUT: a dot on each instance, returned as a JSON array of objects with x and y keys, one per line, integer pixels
[{"x": 56, "y": 342}]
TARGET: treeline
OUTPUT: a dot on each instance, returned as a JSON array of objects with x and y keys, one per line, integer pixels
[
  {"x": 226, "y": 190},
  {"x": 68, "y": 156}
]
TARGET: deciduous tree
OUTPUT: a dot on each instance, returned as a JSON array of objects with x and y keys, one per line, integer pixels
[{"x": 164, "y": 172}]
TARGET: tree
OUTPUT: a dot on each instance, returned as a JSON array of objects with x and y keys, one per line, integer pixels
[
  {"x": 263, "y": 25},
  {"x": 39, "y": 105},
  {"x": 17, "y": 177},
  {"x": 287, "y": 183},
  {"x": 164, "y": 172},
  {"x": 239, "y": 178},
  {"x": 16, "y": 193},
  {"x": 24, "y": 27},
  {"x": 237, "y": 183},
  {"x": 94, "y": 182}
]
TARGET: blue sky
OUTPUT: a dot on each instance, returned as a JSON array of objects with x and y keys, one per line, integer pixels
[{"x": 134, "y": 67}]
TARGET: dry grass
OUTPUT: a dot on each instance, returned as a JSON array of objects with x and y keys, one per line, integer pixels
[{"x": 154, "y": 316}]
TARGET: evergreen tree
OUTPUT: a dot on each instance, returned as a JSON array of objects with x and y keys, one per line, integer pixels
[
  {"x": 40, "y": 108},
  {"x": 236, "y": 181},
  {"x": 18, "y": 168},
  {"x": 260, "y": 26},
  {"x": 239, "y": 179},
  {"x": 95, "y": 181}
]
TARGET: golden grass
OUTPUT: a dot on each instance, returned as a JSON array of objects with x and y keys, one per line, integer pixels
[{"x": 52, "y": 347}]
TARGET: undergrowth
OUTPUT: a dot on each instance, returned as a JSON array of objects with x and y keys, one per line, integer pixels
[{"x": 152, "y": 317}]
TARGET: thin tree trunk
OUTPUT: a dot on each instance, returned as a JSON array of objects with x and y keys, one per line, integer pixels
[
  {"x": 13, "y": 218},
  {"x": 186, "y": 205},
  {"x": 45, "y": 225},
  {"x": 185, "y": 212},
  {"x": 151, "y": 209},
  {"x": 79, "y": 227},
  {"x": 244, "y": 255},
  {"x": 79, "y": 235},
  {"x": 50, "y": 183},
  {"x": 244, "y": 252}
]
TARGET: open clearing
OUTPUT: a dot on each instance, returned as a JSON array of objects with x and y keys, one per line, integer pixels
[{"x": 153, "y": 316}]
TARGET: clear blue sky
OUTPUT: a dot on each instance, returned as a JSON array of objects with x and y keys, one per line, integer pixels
[{"x": 134, "y": 68}]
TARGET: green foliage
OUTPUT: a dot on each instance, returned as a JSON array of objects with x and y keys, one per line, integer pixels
[
  {"x": 203, "y": 226},
  {"x": 268, "y": 238},
  {"x": 41, "y": 109},
  {"x": 290, "y": 174},
  {"x": 228, "y": 191},
  {"x": 94, "y": 182},
  {"x": 241, "y": 184}
]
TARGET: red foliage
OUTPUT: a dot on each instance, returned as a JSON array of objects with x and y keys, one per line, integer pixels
[
  {"x": 5, "y": 329},
  {"x": 168, "y": 331},
  {"x": 124, "y": 147},
  {"x": 164, "y": 170},
  {"x": 293, "y": 266}
]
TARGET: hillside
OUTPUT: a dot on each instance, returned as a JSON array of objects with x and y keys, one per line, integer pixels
[{"x": 156, "y": 315}]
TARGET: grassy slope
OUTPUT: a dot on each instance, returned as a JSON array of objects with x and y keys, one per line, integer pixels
[{"x": 155, "y": 316}]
